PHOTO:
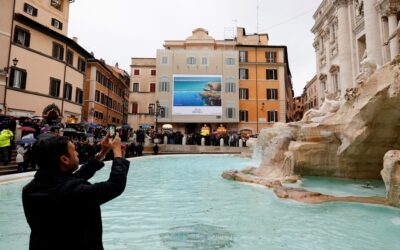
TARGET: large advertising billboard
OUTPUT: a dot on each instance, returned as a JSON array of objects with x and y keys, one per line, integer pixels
[{"x": 197, "y": 95}]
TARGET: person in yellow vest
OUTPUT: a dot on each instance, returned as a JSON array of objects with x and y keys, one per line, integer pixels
[
  {"x": 205, "y": 130},
  {"x": 5, "y": 143}
]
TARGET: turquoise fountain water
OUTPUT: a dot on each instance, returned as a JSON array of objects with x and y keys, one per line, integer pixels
[{"x": 181, "y": 202}]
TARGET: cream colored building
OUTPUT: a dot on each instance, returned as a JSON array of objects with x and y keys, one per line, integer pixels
[
  {"x": 255, "y": 88},
  {"x": 185, "y": 67},
  {"x": 49, "y": 76},
  {"x": 311, "y": 95},
  {"x": 142, "y": 92},
  {"x": 349, "y": 31}
]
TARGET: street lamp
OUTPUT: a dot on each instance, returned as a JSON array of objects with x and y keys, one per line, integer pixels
[
  {"x": 8, "y": 72},
  {"x": 156, "y": 110}
]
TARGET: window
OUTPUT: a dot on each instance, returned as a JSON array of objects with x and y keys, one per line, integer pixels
[
  {"x": 134, "y": 108},
  {"x": 164, "y": 60},
  {"x": 81, "y": 64},
  {"x": 242, "y": 56},
  {"x": 22, "y": 36},
  {"x": 135, "y": 87},
  {"x": 270, "y": 56},
  {"x": 136, "y": 72},
  {"x": 191, "y": 60},
  {"x": 68, "y": 91},
  {"x": 243, "y": 115},
  {"x": 230, "y": 113},
  {"x": 272, "y": 116},
  {"x": 272, "y": 74},
  {"x": 272, "y": 94},
  {"x": 17, "y": 78},
  {"x": 56, "y": 24},
  {"x": 243, "y": 74},
  {"x": 243, "y": 94},
  {"x": 152, "y": 87},
  {"x": 79, "y": 96},
  {"x": 30, "y": 9},
  {"x": 55, "y": 87},
  {"x": 153, "y": 72},
  {"x": 230, "y": 61},
  {"x": 204, "y": 61},
  {"x": 230, "y": 87},
  {"x": 70, "y": 57},
  {"x": 97, "y": 96},
  {"x": 56, "y": 4},
  {"x": 163, "y": 86},
  {"x": 164, "y": 112},
  {"x": 58, "y": 51}
]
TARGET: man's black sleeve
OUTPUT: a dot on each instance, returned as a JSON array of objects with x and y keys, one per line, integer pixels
[
  {"x": 101, "y": 192},
  {"x": 87, "y": 170}
]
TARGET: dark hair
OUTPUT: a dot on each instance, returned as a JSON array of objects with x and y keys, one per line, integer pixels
[{"x": 47, "y": 152}]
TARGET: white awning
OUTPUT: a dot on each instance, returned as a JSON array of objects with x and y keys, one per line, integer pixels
[{"x": 167, "y": 126}]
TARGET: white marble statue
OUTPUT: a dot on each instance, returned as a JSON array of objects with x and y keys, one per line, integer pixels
[
  {"x": 330, "y": 105},
  {"x": 367, "y": 68}
]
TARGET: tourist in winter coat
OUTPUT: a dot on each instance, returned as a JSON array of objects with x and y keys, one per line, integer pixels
[{"x": 62, "y": 208}]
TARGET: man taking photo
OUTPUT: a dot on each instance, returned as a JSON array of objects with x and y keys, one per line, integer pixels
[{"x": 62, "y": 208}]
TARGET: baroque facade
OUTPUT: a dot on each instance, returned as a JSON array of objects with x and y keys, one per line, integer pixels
[{"x": 349, "y": 33}]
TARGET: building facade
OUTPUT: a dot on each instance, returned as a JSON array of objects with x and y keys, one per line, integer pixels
[
  {"x": 106, "y": 94},
  {"x": 197, "y": 83},
  {"x": 348, "y": 32},
  {"x": 50, "y": 69},
  {"x": 243, "y": 84},
  {"x": 311, "y": 95},
  {"x": 142, "y": 92},
  {"x": 266, "y": 91}
]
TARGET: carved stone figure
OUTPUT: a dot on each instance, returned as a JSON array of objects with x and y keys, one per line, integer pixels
[
  {"x": 359, "y": 8},
  {"x": 367, "y": 69},
  {"x": 330, "y": 105},
  {"x": 351, "y": 94}
]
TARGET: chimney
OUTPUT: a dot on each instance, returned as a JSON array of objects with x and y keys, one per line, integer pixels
[
  {"x": 116, "y": 65},
  {"x": 75, "y": 39}
]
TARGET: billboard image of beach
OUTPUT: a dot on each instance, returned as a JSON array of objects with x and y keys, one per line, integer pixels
[{"x": 197, "y": 95}]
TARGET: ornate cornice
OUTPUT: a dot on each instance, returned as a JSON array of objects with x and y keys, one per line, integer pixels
[{"x": 340, "y": 3}]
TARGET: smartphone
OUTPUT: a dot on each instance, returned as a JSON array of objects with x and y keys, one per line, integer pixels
[{"x": 111, "y": 131}]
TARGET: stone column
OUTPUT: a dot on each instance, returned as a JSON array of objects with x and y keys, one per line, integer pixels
[
  {"x": 345, "y": 74},
  {"x": 372, "y": 32},
  {"x": 394, "y": 43}
]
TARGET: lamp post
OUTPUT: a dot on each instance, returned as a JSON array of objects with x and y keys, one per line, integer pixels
[
  {"x": 156, "y": 110},
  {"x": 8, "y": 72}
]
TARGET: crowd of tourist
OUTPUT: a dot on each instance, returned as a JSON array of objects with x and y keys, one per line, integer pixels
[{"x": 87, "y": 137}]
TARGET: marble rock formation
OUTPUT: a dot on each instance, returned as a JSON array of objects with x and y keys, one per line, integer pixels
[
  {"x": 345, "y": 138},
  {"x": 391, "y": 176}
]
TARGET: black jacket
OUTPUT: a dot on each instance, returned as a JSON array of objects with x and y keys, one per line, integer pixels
[{"x": 63, "y": 212}]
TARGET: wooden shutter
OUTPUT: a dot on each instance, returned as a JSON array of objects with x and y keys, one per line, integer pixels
[
  {"x": 152, "y": 87},
  {"x": 23, "y": 80},
  {"x": 27, "y": 39},
  {"x": 16, "y": 30},
  {"x": 35, "y": 12},
  {"x": 134, "y": 108},
  {"x": 61, "y": 53},
  {"x": 11, "y": 79}
]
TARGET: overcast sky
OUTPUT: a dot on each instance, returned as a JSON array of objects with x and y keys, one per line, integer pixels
[{"x": 120, "y": 29}]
